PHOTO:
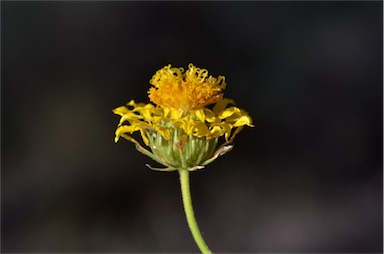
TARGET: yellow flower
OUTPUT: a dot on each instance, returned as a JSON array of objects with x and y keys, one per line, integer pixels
[{"x": 181, "y": 131}]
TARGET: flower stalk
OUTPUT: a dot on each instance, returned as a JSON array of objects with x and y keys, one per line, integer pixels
[{"x": 189, "y": 213}]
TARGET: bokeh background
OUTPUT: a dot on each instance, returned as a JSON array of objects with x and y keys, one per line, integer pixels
[{"x": 307, "y": 178}]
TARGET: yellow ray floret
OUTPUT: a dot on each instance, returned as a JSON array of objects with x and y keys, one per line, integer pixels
[
  {"x": 189, "y": 90},
  {"x": 148, "y": 119}
]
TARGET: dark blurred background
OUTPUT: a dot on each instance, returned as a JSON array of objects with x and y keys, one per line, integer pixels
[{"x": 307, "y": 178}]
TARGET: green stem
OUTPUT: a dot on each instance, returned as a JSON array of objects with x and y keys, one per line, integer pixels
[{"x": 187, "y": 201}]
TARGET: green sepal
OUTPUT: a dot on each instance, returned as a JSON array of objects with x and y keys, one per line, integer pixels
[{"x": 167, "y": 169}]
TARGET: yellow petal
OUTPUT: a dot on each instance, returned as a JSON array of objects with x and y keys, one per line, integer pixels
[
  {"x": 229, "y": 112},
  {"x": 216, "y": 131},
  {"x": 243, "y": 120},
  {"x": 163, "y": 131},
  {"x": 144, "y": 137},
  {"x": 166, "y": 111},
  {"x": 122, "y": 129},
  {"x": 131, "y": 103},
  {"x": 131, "y": 117},
  {"x": 200, "y": 114},
  {"x": 120, "y": 110},
  {"x": 221, "y": 105},
  {"x": 210, "y": 116},
  {"x": 201, "y": 129},
  {"x": 146, "y": 113}
]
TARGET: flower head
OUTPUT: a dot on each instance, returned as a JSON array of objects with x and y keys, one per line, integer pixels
[
  {"x": 180, "y": 130},
  {"x": 189, "y": 90}
]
